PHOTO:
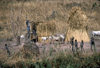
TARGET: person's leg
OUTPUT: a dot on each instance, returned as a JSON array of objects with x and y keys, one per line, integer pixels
[
  {"x": 81, "y": 49},
  {"x": 72, "y": 48},
  {"x": 91, "y": 48},
  {"x": 18, "y": 40},
  {"x": 28, "y": 34},
  {"x": 76, "y": 48},
  {"x": 7, "y": 49},
  {"x": 94, "y": 48},
  {"x": 8, "y": 52},
  {"x": 37, "y": 39},
  {"x": 34, "y": 40}
]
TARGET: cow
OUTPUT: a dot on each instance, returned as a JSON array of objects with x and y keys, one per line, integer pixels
[
  {"x": 58, "y": 38},
  {"x": 44, "y": 38},
  {"x": 96, "y": 34}
]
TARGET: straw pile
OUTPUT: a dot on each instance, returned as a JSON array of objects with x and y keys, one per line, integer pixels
[
  {"x": 46, "y": 29},
  {"x": 77, "y": 25}
]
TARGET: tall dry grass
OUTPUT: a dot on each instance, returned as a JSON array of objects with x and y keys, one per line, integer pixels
[{"x": 18, "y": 12}]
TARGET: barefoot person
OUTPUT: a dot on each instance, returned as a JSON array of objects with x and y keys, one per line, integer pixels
[
  {"x": 81, "y": 45},
  {"x": 76, "y": 45},
  {"x": 34, "y": 36},
  {"x": 92, "y": 43},
  {"x": 28, "y": 28},
  {"x": 72, "y": 43},
  {"x": 6, "y": 47}
]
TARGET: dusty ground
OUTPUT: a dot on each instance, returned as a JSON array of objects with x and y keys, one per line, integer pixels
[
  {"x": 67, "y": 48},
  {"x": 46, "y": 48}
]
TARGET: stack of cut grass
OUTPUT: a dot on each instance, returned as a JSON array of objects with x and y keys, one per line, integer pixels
[
  {"x": 77, "y": 25},
  {"x": 46, "y": 29}
]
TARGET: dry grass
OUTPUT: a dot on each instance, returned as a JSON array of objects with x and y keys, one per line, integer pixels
[
  {"x": 41, "y": 11},
  {"x": 77, "y": 25},
  {"x": 78, "y": 34}
]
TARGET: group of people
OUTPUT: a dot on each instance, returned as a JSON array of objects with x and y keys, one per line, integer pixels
[
  {"x": 31, "y": 32},
  {"x": 74, "y": 45}
]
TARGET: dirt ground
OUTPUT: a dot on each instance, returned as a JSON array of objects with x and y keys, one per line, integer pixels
[
  {"x": 68, "y": 49},
  {"x": 46, "y": 48}
]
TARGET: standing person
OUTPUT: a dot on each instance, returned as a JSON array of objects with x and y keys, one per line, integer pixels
[
  {"x": 28, "y": 28},
  {"x": 92, "y": 44},
  {"x": 76, "y": 45},
  {"x": 81, "y": 45},
  {"x": 72, "y": 43},
  {"x": 34, "y": 36},
  {"x": 18, "y": 40},
  {"x": 6, "y": 47}
]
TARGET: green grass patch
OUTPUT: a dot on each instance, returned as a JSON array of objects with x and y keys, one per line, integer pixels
[{"x": 61, "y": 61}]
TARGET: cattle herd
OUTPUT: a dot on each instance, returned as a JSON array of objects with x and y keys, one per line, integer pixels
[
  {"x": 61, "y": 37},
  {"x": 57, "y": 37}
]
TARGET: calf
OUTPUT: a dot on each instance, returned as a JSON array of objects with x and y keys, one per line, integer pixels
[
  {"x": 44, "y": 38},
  {"x": 59, "y": 37}
]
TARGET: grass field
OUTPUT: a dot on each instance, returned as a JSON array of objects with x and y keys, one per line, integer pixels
[
  {"x": 18, "y": 12},
  {"x": 55, "y": 17},
  {"x": 51, "y": 56},
  {"x": 61, "y": 61}
]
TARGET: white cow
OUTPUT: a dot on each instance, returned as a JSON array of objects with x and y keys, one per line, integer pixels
[
  {"x": 59, "y": 38},
  {"x": 50, "y": 37},
  {"x": 95, "y": 33},
  {"x": 22, "y": 36},
  {"x": 62, "y": 36},
  {"x": 55, "y": 37},
  {"x": 44, "y": 38}
]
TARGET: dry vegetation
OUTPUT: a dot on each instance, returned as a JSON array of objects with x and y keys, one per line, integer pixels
[
  {"x": 15, "y": 13},
  {"x": 56, "y": 17}
]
